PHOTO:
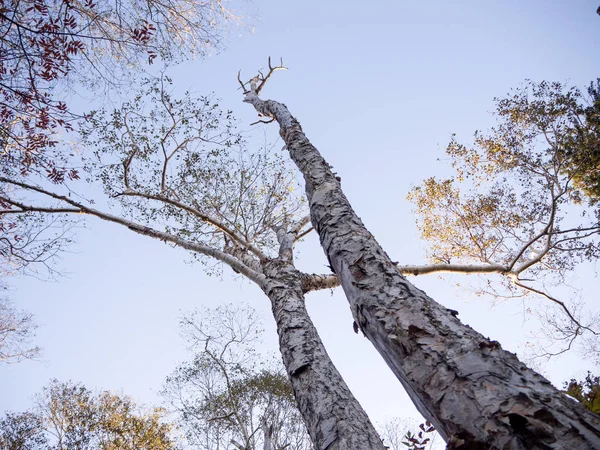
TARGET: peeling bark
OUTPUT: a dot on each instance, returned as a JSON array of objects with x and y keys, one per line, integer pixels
[
  {"x": 477, "y": 395},
  {"x": 334, "y": 418},
  {"x": 315, "y": 282}
]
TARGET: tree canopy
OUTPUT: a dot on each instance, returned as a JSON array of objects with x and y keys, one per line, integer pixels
[
  {"x": 231, "y": 235},
  {"x": 48, "y": 46},
  {"x": 68, "y": 415},
  {"x": 51, "y": 50},
  {"x": 522, "y": 204},
  {"x": 229, "y": 393}
]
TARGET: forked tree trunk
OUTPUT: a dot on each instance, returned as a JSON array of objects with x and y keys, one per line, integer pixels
[
  {"x": 334, "y": 418},
  {"x": 477, "y": 395}
]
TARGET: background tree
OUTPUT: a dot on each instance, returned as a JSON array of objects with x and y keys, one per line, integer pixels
[
  {"x": 69, "y": 416},
  {"x": 17, "y": 330},
  {"x": 403, "y": 434},
  {"x": 22, "y": 431},
  {"x": 523, "y": 204},
  {"x": 476, "y": 394},
  {"x": 228, "y": 394},
  {"x": 182, "y": 175},
  {"x": 586, "y": 391}
]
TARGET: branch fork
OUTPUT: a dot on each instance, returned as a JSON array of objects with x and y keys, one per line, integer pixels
[{"x": 258, "y": 82}]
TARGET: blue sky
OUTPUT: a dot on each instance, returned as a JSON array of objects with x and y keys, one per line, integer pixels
[{"x": 379, "y": 89}]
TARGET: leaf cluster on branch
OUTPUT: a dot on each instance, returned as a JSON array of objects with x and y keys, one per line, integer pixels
[
  {"x": 523, "y": 202},
  {"x": 51, "y": 50},
  {"x": 49, "y": 46}
]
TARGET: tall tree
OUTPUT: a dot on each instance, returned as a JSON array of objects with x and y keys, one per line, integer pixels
[
  {"x": 475, "y": 393},
  {"x": 69, "y": 416},
  {"x": 186, "y": 178},
  {"x": 523, "y": 204},
  {"x": 229, "y": 393}
]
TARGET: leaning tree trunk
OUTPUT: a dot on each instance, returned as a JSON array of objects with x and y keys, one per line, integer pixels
[
  {"x": 477, "y": 395},
  {"x": 334, "y": 418}
]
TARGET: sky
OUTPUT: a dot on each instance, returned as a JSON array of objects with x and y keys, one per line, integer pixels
[{"x": 378, "y": 89}]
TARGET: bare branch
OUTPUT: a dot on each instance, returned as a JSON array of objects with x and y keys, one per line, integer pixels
[
  {"x": 242, "y": 84},
  {"x": 315, "y": 282},
  {"x": 546, "y": 231},
  {"x": 286, "y": 241},
  {"x": 453, "y": 268},
  {"x": 296, "y": 227},
  {"x": 17, "y": 329},
  {"x": 241, "y": 253},
  {"x": 258, "y": 82},
  {"x": 518, "y": 283},
  {"x": 262, "y": 121},
  {"x": 263, "y": 79}
]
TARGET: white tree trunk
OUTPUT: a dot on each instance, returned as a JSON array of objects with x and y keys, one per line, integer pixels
[
  {"x": 267, "y": 437},
  {"x": 477, "y": 395},
  {"x": 334, "y": 418}
]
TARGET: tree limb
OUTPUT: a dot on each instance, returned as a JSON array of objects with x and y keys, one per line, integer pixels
[
  {"x": 315, "y": 282},
  {"x": 453, "y": 268},
  {"x": 233, "y": 262},
  {"x": 204, "y": 217}
]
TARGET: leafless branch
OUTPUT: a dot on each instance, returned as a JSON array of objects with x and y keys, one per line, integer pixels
[
  {"x": 296, "y": 227},
  {"x": 314, "y": 282},
  {"x": 453, "y": 268},
  {"x": 17, "y": 330},
  {"x": 262, "y": 121},
  {"x": 560, "y": 304},
  {"x": 304, "y": 233},
  {"x": 258, "y": 82}
]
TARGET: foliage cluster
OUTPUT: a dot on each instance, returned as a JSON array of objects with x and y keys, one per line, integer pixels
[
  {"x": 228, "y": 393},
  {"x": 523, "y": 203},
  {"x": 69, "y": 416}
]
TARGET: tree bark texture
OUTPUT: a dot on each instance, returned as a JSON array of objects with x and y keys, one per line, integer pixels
[
  {"x": 334, "y": 418},
  {"x": 477, "y": 395}
]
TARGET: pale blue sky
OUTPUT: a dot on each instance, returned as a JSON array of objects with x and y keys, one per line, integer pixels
[{"x": 391, "y": 80}]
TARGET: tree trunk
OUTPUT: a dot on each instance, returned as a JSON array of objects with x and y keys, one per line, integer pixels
[
  {"x": 267, "y": 436},
  {"x": 477, "y": 395},
  {"x": 334, "y": 418}
]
